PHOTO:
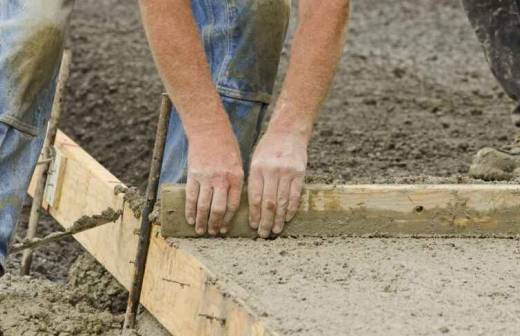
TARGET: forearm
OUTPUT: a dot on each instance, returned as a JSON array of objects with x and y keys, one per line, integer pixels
[
  {"x": 183, "y": 67},
  {"x": 316, "y": 50}
]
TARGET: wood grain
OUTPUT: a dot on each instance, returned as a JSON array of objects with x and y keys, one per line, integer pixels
[
  {"x": 180, "y": 291},
  {"x": 378, "y": 210}
]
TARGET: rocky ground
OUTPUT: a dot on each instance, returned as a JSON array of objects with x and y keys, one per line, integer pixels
[{"x": 413, "y": 98}]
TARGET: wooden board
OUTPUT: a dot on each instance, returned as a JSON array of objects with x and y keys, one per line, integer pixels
[
  {"x": 184, "y": 296},
  {"x": 378, "y": 210}
]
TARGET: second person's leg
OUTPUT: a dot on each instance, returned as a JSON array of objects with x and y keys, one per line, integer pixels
[{"x": 497, "y": 25}]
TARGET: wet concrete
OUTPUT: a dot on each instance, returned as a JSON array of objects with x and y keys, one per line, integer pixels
[{"x": 400, "y": 287}]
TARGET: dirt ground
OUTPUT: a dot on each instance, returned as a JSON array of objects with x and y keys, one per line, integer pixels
[{"x": 413, "y": 98}]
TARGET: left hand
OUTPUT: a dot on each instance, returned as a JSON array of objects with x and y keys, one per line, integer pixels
[{"x": 276, "y": 180}]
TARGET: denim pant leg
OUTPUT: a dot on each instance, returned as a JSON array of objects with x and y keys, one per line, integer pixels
[
  {"x": 243, "y": 40},
  {"x": 246, "y": 119},
  {"x": 497, "y": 24},
  {"x": 18, "y": 155},
  {"x": 31, "y": 43}
]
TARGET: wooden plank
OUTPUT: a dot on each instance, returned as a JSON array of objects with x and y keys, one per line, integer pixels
[
  {"x": 178, "y": 289},
  {"x": 378, "y": 210}
]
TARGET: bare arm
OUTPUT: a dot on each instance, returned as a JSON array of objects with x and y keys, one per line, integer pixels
[
  {"x": 280, "y": 159},
  {"x": 214, "y": 165}
]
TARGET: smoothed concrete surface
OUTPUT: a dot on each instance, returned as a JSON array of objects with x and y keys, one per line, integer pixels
[{"x": 345, "y": 286}]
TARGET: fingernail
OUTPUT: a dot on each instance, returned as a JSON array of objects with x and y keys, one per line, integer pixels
[
  {"x": 277, "y": 229},
  {"x": 200, "y": 231},
  {"x": 191, "y": 221},
  {"x": 223, "y": 230},
  {"x": 264, "y": 234}
]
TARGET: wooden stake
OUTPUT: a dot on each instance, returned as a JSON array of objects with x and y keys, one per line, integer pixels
[
  {"x": 46, "y": 158},
  {"x": 146, "y": 227}
]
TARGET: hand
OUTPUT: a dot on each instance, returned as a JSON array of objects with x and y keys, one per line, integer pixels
[
  {"x": 215, "y": 179},
  {"x": 276, "y": 180}
]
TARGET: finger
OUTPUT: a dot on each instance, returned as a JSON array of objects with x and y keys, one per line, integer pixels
[
  {"x": 203, "y": 207},
  {"x": 218, "y": 209},
  {"x": 268, "y": 205},
  {"x": 294, "y": 198},
  {"x": 282, "y": 202},
  {"x": 234, "y": 195},
  {"x": 254, "y": 195},
  {"x": 192, "y": 196}
]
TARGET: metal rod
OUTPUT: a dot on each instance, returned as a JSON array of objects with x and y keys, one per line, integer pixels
[
  {"x": 146, "y": 227},
  {"x": 42, "y": 171},
  {"x": 83, "y": 224}
]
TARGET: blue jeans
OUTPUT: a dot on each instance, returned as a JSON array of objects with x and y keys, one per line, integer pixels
[
  {"x": 242, "y": 40},
  {"x": 31, "y": 44}
]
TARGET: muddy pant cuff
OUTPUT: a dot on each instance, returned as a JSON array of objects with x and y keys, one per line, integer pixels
[{"x": 2, "y": 265}]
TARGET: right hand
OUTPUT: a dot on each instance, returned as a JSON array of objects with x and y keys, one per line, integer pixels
[{"x": 215, "y": 180}]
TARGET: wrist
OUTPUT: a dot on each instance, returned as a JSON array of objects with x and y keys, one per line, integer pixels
[
  {"x": 213, "y": 123},
  {"x": 298, "y": 132},
  {"x": 297, "y": 126},
  {"x": 211, "y": 134},
  {"x": 293, "y": 117}
]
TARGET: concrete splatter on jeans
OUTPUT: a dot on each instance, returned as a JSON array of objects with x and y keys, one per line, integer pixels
[{"x": 31, "y": 42}]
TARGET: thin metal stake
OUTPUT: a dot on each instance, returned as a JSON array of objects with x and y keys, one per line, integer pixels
[
  {"x": 146, "y": 226},
  {"x": 43, "y": 167}
]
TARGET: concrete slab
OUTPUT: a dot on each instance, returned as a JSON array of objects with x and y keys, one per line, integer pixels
[{"x": 371, "y": 287}]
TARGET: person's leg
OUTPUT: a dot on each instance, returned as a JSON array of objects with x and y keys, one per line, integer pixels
[
  {"x": 31, "y": 44},
  {"x": 243, "y": 40},
  {"x": 497, "y": 25}
]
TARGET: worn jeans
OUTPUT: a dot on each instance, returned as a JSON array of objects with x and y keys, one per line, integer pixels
[
  {"x": 31, "y": 44},
  {"x": 242, "y": 39}
]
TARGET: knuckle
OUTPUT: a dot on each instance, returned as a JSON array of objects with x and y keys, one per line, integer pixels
[
  {"x": 203, "y": 208},
  {"x": 236, "y": 175},
  {"x": 256, "y": 199},
  {"x": 283, "y": 203},
  {"x": 232, "y": 207},
  {"x": 218, "y": 211},
  {"x": 273, "y": 168},
  {"x": 285, "y": 170},
  {"x": 191, "y": 198},
  {"x": 219, "y": 180},
  {"x": 270, "y": 204}
]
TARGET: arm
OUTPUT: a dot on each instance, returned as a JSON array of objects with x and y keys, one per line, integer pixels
[
  {"x": 214, "y": 165},
  {"x": 280, "y": 159}
]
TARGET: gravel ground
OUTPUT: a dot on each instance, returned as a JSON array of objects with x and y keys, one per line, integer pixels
[{"x": 413, "y": 97}]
